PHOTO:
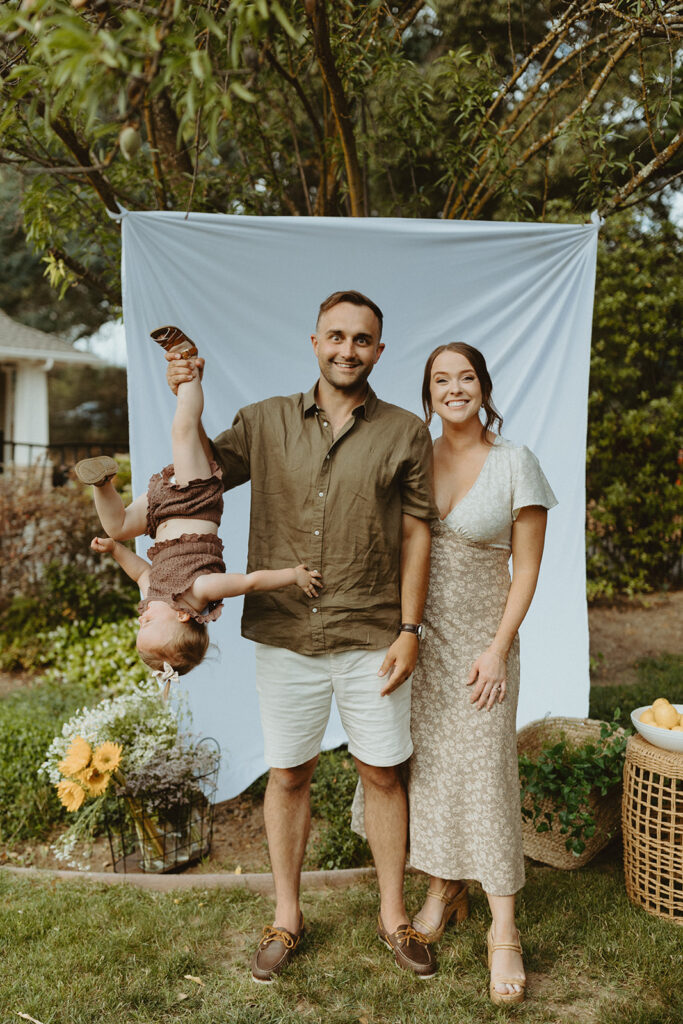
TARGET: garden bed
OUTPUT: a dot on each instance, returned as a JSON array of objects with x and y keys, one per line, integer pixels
[{"x": 622, "y": 634}]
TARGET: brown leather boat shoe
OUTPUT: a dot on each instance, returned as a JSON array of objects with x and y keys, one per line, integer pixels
[
  {"x": 411, "y": 950},
  {"x": 275, "y": 950},
  {"x": 172, "y": 339}
]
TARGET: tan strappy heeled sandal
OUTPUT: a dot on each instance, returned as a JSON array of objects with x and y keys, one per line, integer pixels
[
  {"x": 457, "y": 904},
  {"x": 172, "y": 339},
  {"x": 504, "y": 998}
]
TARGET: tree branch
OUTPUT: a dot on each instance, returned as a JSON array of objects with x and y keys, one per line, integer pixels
[
  {"x": 471, "y": 210},
  {"x": 68, "y": 137},
  {"x": 619, "y": 198},
  {"x": 317, "y": 13},
  {"x": 87, "y": 276}
]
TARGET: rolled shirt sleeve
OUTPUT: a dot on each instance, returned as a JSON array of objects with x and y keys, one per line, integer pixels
[
  {"x": 417, "y": 481},
  {"x": 231, "y": 450}
]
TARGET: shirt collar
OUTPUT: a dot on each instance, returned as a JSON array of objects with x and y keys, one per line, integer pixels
[{"x": 364, "y": 409}]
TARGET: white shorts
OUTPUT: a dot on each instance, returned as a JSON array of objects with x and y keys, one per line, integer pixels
[{"x": 295, "y": 696}]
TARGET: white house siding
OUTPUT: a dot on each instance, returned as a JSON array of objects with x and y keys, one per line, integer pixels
[{"x": 31, "y": 424}]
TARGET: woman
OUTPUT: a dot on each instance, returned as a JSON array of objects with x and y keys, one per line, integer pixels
[{"x": 465, "y": 819}]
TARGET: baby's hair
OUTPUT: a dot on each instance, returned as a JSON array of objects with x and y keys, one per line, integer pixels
[{"x": 184, "y": 651}]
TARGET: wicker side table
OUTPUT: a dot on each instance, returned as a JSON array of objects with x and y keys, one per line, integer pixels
[{"x": 652, "y": 824}]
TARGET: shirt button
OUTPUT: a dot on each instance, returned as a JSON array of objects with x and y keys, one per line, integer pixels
[
  {"x": 314, "y": 609},
  {"x": 327, "y": 456},
  {"x": 317, "y": 533},
  {"x": 321, "y": 494},
  {"x": 324, "y": 423}
]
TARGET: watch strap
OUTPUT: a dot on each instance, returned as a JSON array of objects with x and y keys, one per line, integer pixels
[{"x": 417, "y": 629}]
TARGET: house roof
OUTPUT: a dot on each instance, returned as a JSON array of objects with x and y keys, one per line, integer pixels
[{"x": 17, "y": 341}]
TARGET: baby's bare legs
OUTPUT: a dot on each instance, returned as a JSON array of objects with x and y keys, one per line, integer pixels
[
  {"x": 119, "y": 522},
  {"x": 189, "y": 458}
]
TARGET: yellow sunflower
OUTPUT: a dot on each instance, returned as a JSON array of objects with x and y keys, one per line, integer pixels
[
  {"x": 71, "y": 794},
  {"x": 77, "y": 757},
  {"x": 94, "y": 780},
  {"x": 107, "y": 757}
]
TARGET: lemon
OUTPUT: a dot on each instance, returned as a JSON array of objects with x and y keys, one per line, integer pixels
[
  {"x": 666, "y": 716},
  {"x": 677, "y": 728},
  {"x": 660, "y": 700},
  {"x": 647, "y": 717}
]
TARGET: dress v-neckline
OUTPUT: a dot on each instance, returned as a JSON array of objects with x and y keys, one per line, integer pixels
[{"x": 474, "y": 484}]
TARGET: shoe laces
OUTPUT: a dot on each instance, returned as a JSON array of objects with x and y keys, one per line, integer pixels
[
  {"x": 272, "y": 934},
  {"x": 405, "y": 933}
]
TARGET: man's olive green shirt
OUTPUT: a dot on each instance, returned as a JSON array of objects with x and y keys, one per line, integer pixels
[{"x": 334, "y": 505}]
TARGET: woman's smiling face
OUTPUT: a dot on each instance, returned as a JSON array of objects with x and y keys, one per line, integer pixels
[{"x": 455, "y": 388}]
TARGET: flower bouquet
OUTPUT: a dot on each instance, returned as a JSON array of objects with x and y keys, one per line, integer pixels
[{"x": 127, "y": 766}]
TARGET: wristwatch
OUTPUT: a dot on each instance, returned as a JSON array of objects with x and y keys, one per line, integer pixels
[{"x": 412, "y": 627}]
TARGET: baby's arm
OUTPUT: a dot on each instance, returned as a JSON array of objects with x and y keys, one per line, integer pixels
[
  {"x": 134, "y": 566},
  {"x": 216, "y": 585}
]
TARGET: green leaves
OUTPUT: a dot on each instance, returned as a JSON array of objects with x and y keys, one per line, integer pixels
[
  {"x": 567, "y": 776},
  {"x": 634, "y": 530}
]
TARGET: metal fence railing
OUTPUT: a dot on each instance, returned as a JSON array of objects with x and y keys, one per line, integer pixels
[{"x": 52, "y": 462}]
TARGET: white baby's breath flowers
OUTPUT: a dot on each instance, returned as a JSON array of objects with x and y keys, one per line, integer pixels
[{"x": 138, "y": 720}]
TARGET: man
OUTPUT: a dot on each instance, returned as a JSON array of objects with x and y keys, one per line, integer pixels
[{"x": 341, "y": 482}]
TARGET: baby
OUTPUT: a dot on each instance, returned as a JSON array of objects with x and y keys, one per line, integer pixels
[{"x": 184, "y": 583}]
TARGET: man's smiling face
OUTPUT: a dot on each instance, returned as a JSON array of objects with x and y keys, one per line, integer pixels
[{"x": 347, "y": 345}]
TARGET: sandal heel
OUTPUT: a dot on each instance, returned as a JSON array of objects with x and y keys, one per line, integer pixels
[{"x": 456, "y": 906}]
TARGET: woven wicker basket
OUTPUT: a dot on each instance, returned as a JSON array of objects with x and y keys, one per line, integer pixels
[
  {"x": 652, "y": 820},
  {"x": 549, "y": 847}
]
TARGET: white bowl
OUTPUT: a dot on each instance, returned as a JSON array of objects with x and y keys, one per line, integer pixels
[{"x": 663, "y": 738}]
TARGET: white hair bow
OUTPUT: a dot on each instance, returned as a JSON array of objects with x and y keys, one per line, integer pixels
[{"x": 164, "y": 678}]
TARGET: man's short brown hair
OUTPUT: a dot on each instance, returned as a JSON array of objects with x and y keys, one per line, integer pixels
[{"x": 354, "y": 297}]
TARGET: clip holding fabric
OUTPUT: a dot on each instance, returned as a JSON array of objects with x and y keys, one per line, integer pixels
[
  {"x": 597, "y": 219},
  {"x": 118, "y": 217}
]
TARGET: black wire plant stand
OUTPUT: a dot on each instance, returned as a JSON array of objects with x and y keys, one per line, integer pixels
[{"x": 167, "y": 829}]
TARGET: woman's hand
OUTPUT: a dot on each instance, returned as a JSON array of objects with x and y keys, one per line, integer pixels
[
  {"x": 488, "y": 677},
  {"x": 102, "y": 544}
]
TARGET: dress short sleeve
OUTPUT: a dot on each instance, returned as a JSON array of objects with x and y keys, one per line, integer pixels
[{"x": 529, "y": 483}]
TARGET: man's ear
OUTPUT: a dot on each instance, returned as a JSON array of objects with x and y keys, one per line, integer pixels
[{"x": 183, "y": 616}]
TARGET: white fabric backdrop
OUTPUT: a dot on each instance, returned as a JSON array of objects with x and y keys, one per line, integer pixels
[{"x": 247, "y": 290}]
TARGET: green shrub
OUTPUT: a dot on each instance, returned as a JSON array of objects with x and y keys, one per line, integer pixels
[
  {"x": 66, "y": 593},
  {"x": 48, "y": 573},
  {"x": 29, "y": 721},
  {"x": 332, "y": 789},
  {"x": 103, "y": 660},
  {"x": 634, "y": 527}
]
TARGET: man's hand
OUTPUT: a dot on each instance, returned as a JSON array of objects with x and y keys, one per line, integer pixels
[
  {"x": 180, "y": 371},
  {"x": 400, "y": 661},
  {"x": 102, "y": 544}
]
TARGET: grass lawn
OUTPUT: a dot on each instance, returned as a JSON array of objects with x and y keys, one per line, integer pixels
[{"x": 74, "y": 953}]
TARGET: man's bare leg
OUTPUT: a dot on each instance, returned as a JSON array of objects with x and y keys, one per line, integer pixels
[
  {"x": 287, "y": 813},
  {"x": 386, "y": 826}
]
